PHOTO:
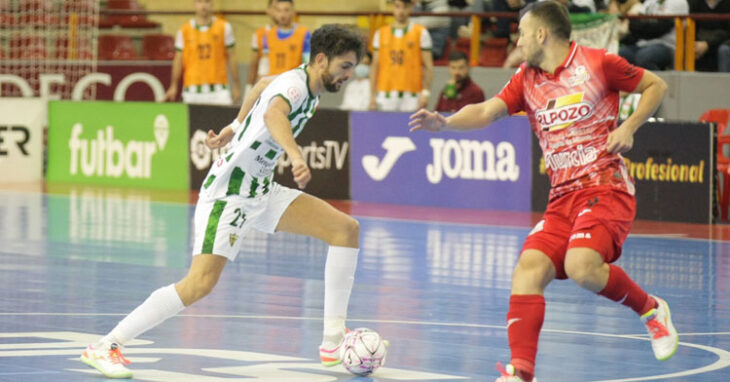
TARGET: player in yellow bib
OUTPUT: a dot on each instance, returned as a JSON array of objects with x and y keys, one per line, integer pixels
[
  {"x": 287, "y": 45},
  {"x": 402, "y": 68},
  {"x": 205, "y": 53},
  {"x": 239, "y": 194}
]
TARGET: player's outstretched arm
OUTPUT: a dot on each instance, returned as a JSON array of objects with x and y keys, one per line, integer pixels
[
  {"x": 214, "y": 141},
  {"x": 470, "y": 117},
  {"x": 276, "y": 119},
  {"x": 652, "y": 89}
]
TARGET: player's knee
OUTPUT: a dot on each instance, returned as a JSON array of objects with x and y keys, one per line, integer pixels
[
  {"x": 581, "y": 272},
  {"x": 531, "y": 269},
  {"x": 531, "y": 274},
  {"x": 196, "y": 286},
  {"x": 352, "y": 228},
  {"x": 347, "y": 233}
]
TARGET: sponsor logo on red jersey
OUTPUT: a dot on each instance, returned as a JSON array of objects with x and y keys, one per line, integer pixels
[
  {"x": 563, "y": 111},
  {"x": 579, "y": 157}
]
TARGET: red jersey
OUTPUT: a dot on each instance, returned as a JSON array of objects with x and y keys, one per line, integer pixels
[{"x": 572, "y": 112}]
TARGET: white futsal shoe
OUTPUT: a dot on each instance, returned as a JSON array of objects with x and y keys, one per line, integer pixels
[
  {"x": 108, "y": 360},
  {"x": 509, "y": 374},
  {"x": 664, "y": 337},
  {"x": 329, "y": 351}
]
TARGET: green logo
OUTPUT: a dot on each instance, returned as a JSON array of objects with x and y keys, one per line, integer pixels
[{"x": 122, "y": 144}]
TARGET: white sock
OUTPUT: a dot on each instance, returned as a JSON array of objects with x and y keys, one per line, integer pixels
[
  {"x": 159, "y": 306},
  {"x": 339, "y": 275}
]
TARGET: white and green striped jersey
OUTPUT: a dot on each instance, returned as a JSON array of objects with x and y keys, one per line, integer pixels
[{"x": 247, "y": 168}]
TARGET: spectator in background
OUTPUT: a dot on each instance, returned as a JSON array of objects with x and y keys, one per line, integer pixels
[
  {"x": 503, "y": 24},
  {"x": 464, "y": 6},
  {"x": 712, "y": 42},
  {"x": 651, "y": 42},
  {"x": 624, "y": 7},
  {"x": 723, "y": 53},
  {"x": 438, "y": 27},
  {"x": 402, "y": 63},
  {"x": 460, "y": 90},
  {"x": 287, "y": 45},
  {"x": 204, "y": 48},
  {"x": 357, "y": 91},
  {"x": 258, "y": 61}
]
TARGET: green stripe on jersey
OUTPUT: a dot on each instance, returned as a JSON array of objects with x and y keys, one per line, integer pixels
[
  {"x": 294, "y": 114},
  {"x": 254, "y": 186},
  {"x": 299, "y": 126},
  {"x": 248, "y": 119},
  {"x": 209, "y": 181},
  {"x": 212, "y": 229},
  {"x": 234, "y": 184},
  {"x": 246, "y": 123},
  {"x": 255, "y": 145},
  {"x": 271, "y": 154},
  {"x": 302, "y": 109},
  {"x": 267, "y": 183}
]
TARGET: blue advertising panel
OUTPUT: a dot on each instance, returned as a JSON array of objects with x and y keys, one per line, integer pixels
[{"x": 485, "y": 169}]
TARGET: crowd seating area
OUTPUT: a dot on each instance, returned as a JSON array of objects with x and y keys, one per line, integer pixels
[
  {"x": 121, "y": 36},
  {"x": 132, "y": 36}
]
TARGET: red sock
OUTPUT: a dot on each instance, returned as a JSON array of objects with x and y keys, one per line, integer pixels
[
  {"x": 621, "y": 288},
  {"x": 524, "y": 321}
]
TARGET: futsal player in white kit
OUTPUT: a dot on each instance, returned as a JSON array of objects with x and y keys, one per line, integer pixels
[{"x": 239, "y": 194}]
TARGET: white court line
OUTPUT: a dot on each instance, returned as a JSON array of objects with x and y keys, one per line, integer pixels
[
  {"x": 404, "y": 322},
  {"x": 298, "y": 318},
  {"x": 723, "y": 360}
]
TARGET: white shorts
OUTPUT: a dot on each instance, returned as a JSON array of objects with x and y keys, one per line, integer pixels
[
  {"x": 215, "y": 96},
  {"x": 220, "y": 224},
  {"x": 397, "y": 101}
]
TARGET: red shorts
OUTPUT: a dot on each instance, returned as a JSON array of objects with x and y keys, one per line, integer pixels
[{"x": 598, "y": 218}]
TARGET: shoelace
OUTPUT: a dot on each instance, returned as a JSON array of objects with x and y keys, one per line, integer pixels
[
  {"x": 116, "y": 356},
  {"x": 502, "y": 370},
  {"x": 656, "y": 328}
]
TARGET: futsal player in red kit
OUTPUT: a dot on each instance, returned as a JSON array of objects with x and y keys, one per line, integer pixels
[{"x": 570, "y": 94}]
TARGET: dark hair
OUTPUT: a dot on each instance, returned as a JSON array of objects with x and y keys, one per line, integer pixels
[
  {"x": 458, "y": 55},
  {"x": 403, "y": 1},
  {"x": 335, "y": 40},
  {"x": 553, "y": 15},
  {"x": 369, "y": 55}
]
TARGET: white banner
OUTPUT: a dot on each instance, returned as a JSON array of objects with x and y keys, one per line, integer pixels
[
  {"x": 21, "y": 139},
  {"x": 596, "y": 30}
]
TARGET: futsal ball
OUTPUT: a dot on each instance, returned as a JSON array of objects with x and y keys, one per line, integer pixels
[{"x": 363, "y": 351}]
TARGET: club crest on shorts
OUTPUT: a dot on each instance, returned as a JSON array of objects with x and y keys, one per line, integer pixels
[{"x": 232, "y": 239}]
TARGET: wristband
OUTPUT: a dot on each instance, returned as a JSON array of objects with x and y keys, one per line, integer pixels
[
  {"x": 425, "y": 93},
  {"x": 235, "y": 124}
]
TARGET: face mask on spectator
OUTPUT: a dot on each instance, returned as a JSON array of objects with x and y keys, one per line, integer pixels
[{"x": 362, "y": 70}]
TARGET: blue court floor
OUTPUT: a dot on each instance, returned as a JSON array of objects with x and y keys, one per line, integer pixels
[{"x": 74, "y": 263}]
